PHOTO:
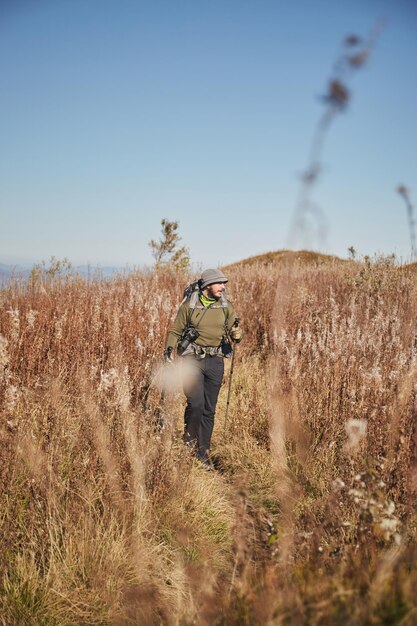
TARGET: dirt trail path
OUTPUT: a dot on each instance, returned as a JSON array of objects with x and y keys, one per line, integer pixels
[{"x": 247, "y": 598}]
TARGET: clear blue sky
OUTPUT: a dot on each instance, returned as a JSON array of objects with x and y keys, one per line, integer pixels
[{"x": 115, "y": 114}]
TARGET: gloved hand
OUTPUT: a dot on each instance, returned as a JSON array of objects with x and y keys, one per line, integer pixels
[
  {"x": 236, "y": 334},
  {"x": 168, "y": 355}
]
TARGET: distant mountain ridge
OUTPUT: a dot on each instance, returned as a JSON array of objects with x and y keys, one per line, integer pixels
[{"x": 8, "y": 271}]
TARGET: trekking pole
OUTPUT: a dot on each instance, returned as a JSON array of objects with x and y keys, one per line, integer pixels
[
  {"x": 229, "y": 388},
  {"x": 236, "y": 322}
]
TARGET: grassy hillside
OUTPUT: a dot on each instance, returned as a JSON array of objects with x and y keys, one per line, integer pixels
[
  {"x": 288, "y": 257},
  {"x": 310, "y": 516}
]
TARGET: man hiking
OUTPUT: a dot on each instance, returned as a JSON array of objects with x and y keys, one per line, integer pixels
[{"x": 202, "y": 331}]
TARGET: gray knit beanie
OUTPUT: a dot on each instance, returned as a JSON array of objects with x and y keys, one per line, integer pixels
[{"x": 208, "y": 277}]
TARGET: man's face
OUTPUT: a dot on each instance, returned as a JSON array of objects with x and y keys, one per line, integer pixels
[{"x": 215, "y": 290}]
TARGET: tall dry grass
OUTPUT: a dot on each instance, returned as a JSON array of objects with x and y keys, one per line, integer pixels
[
  {"x": 310, "y": 517},
  {"x": 341, "y": 378}
]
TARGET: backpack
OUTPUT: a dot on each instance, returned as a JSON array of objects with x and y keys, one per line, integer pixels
[{"x": 192, "y": 293}]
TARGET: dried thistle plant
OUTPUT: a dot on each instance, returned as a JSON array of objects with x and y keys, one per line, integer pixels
[
  {"x": 309, "y": 224},
  {"x": 405, "y": 194}
]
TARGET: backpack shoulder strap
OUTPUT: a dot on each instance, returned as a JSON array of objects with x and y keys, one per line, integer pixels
[
  {"x": 193, "y": 300},
  {"x": 224, "y": 301},
  {"x": 226, "y": 312}
]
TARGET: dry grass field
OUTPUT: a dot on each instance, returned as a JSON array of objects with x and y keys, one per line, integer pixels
[{"x": 310, "y": 516}]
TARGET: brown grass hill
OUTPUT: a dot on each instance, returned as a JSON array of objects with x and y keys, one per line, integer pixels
[
  {"x": 411, "y": 267},
  {"x": 288, "y": 257}
]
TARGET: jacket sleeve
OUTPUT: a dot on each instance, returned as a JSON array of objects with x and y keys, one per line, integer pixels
[{"x": 178, "y": 326}]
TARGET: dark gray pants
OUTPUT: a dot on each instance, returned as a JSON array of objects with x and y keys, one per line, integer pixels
[{"x": 202, "y": 394}]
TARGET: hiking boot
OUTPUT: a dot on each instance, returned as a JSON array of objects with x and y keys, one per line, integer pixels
[{"x": 205, "y": 463}]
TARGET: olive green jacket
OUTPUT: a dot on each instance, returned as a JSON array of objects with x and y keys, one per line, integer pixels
[{"x": 211, "y": 328}]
